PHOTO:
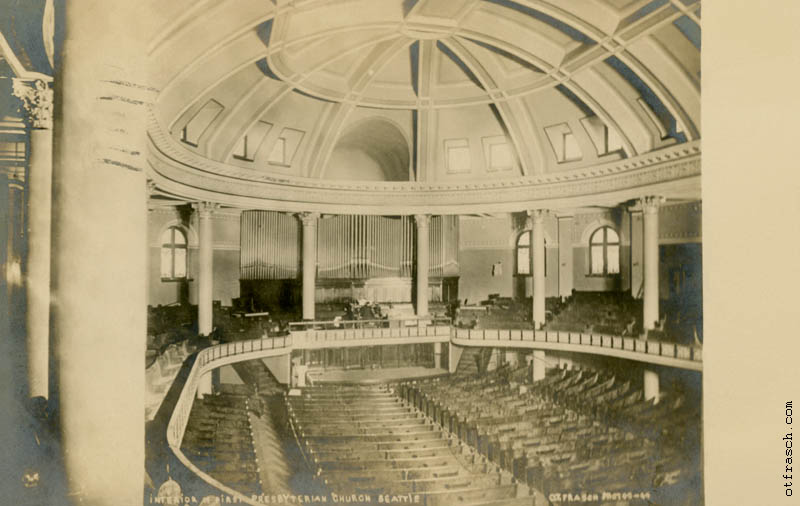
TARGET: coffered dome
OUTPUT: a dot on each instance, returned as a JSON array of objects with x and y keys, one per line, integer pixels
[{"x": 409, "y": 96}]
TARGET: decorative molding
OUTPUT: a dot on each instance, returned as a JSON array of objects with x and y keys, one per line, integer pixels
[
  {"x": 37, "y": 99},
  {"x": 485, "y": 245},
  {"x": 683, "y": 238},
  {"x": 673, "y": 171},
  {"x": 228, "y": 215},
  {"x": 226, "y": 246}
]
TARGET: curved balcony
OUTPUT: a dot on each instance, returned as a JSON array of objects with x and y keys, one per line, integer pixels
[
  {"x": 208, "y": 359},
  {"x": 653, "y": 352},
  {"x": 318, "y": 334}
]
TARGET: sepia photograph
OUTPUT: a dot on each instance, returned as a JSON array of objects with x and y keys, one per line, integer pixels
[{"x": 435, "y": 252}]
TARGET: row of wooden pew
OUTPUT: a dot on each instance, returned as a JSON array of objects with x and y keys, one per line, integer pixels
[
  {"x": 218, "y": 440},
  {"x": 573, "y": 431},
  {"x": 365, "y": 442},
  {"x": 614, "y": 313}
]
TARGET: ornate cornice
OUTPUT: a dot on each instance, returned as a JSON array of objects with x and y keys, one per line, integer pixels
[
  {"x": 183, "y": 172},
  {"x": 37, "y": 99}
]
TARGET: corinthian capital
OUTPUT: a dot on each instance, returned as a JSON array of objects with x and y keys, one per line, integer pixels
[
  {"x": 537, "y": 215},
  {"x": 37, "y": 99},
  {"x": 205, "y": 209},
  {"x": 650, "y": 204},
  {"x": 422, "y": 220},
  {"x": 308, "y": 219}
]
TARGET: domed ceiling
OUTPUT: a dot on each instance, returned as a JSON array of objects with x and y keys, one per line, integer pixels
[{"x": 425, "y": 95}]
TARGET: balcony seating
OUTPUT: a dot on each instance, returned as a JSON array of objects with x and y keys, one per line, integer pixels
[{"x": 610, "y": 313}]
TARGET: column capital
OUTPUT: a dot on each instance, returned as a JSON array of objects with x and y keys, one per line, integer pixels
[
  {"x": 308, "y": 219},
  {"x": 37, "y": 99},
  {"x": 537, "y": 215},
  {"x": 422, "y": 220},
  {"x": 205, "y": 209},
  {"x": 651, "y": 203}
]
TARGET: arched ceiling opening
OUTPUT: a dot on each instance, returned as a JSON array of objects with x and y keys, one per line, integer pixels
[{"x": 372, "y": 150}]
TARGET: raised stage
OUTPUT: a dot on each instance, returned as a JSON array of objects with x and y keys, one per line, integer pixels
[{"x": 372, "y": 376}]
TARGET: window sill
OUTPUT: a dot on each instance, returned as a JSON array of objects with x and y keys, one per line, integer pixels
[{"x": 175, "y": 280}]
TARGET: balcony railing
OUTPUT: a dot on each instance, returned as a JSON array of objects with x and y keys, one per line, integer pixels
[
  {"x": 316, "y": 334},
  {"x": 308, "y": 333},
  {"x": 398, "y": 323},
  {"x": 645, "y": 349},
  {"x": 208, "y": 359}
]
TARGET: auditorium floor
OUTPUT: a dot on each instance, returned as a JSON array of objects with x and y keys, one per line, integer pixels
[{"x": 370, "y": 376}]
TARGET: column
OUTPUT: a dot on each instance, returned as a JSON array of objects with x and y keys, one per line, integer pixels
[
  {"x": 99, "y": 249},
  {"x": 566, "y": 267},
  {"x": 205, "y": 275},
  {"x": 637, "y": 260},
  {"x": 539, "y": 365},
  {"x": 205, "y": 386},
  {"x": 309, "y": 221},
  {"x": 512, "y": 357},
  {"x": 650, "y": 211},
  {"x": 37, "y": 100},
  {"x": 651, "y": 387},
  {"x": 538, "y": 253},
  {"x": 13, "y": 353},
  {"x": 423, "y": 263},
  {"x": 437, "y": 355}
]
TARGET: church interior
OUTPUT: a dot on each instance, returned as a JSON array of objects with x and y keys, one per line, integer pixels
[{"x": 446, "y": 252}]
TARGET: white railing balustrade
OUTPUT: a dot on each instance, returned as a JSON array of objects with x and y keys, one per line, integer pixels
[
  {"x": 632, "y": 346},
  {"x": 206, "y": 360},
  {"x": 321, "y": 332}
]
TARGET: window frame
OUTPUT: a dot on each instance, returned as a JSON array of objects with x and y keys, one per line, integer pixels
[
  {"x": 172, "y": 246},
  {"x": 604, "y": 243},
  {"x": 528, "y": 247}
]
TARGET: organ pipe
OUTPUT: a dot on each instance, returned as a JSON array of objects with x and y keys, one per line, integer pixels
[{"x": 348, "y": 246}]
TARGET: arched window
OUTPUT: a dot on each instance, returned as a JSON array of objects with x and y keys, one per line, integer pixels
[
  {"x": 173, "y": 253},
  {"x": 524, "y": 259},
  {"x": 604, "y": 252}
]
